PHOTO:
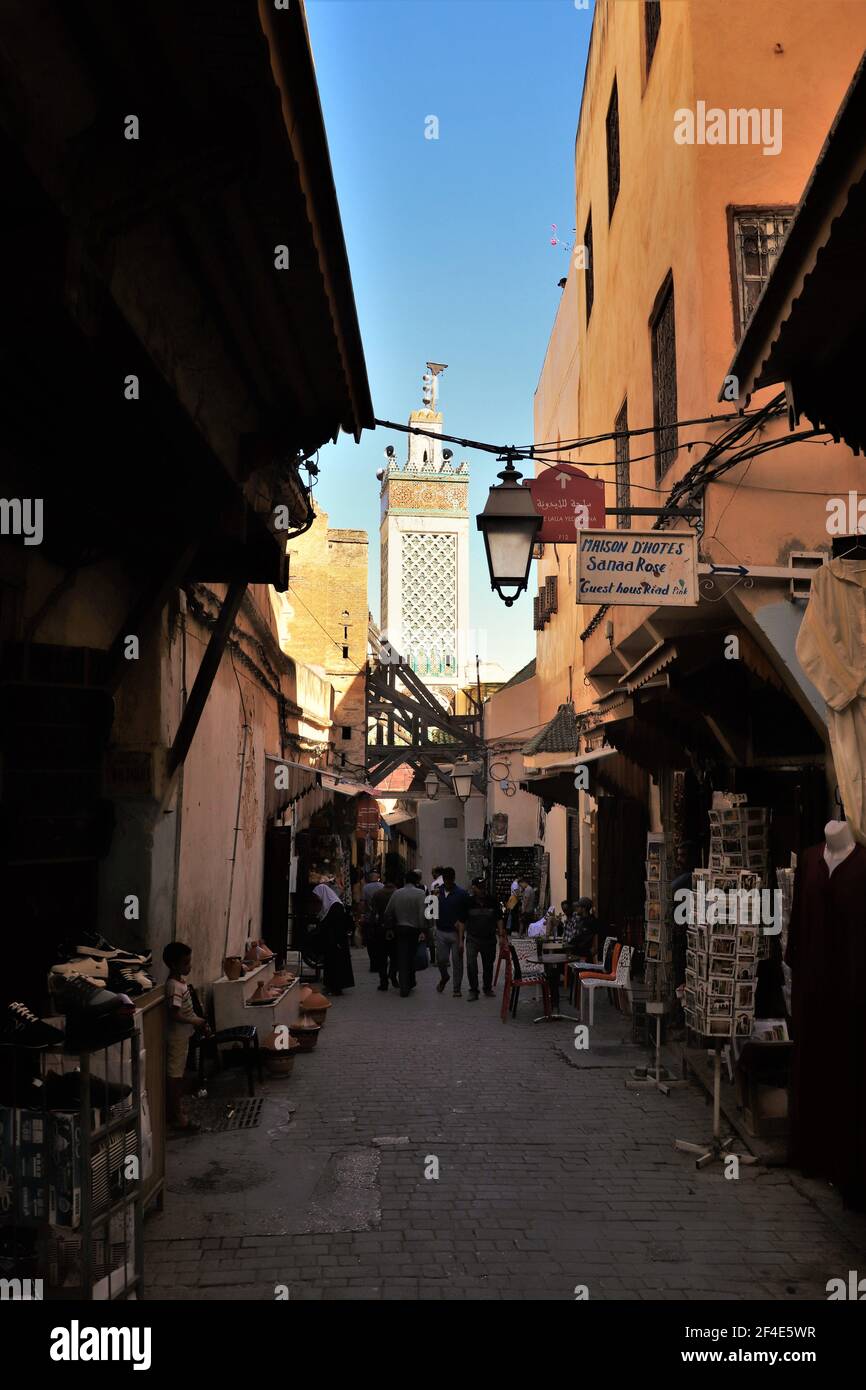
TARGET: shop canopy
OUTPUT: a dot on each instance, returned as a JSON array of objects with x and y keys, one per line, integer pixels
[{"x": 807, "y": 328}]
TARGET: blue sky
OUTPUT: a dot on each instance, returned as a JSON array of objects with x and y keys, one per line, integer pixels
[{"x": 449, "y": 239}]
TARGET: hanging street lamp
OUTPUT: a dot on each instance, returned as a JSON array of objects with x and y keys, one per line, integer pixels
[
  {"x": 461, "y": 777},
  {"x": 510, "y": 525},
  {"x": 431, "y": 785}
]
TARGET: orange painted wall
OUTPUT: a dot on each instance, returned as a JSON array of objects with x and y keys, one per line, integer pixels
[{"x": 672, "y": 214}]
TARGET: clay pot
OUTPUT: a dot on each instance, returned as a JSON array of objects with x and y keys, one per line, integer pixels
[
  {"x": 316, "y": 1007},
  {"x": 282, "y": 979},
  {"x": 304, "y": 994},
  {"x": 280, "y": 1060},
  {"x": 307, "y": 1034},
  {"x": 233, "y": 967}
]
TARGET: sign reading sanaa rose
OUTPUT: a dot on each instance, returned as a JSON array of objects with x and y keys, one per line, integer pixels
[
  {"x": 566, "y": 498},
  {"x": 646, "y": 568}
]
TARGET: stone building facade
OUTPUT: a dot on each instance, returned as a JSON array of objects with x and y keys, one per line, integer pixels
[
  {"x": 424, "y": 536},
  {"x": 323, "y": 619}
]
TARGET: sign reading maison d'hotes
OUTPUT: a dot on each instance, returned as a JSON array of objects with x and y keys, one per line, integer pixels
[{"x": 639, "y": 567}]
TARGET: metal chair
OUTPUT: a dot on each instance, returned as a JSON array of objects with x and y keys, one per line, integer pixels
[
  {"x": 248, "y": 1038},
  {"x": 518, "y": 974},
  {"x": 615, "y": 978}
]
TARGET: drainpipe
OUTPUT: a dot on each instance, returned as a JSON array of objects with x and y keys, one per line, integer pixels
[
  {"x": 178, "y": 824},
  {"x": 237, "y": 816}
]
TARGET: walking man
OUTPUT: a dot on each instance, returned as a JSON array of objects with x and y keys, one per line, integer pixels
[
  {"x": 484, "y": 926},
  {"x": 368, "y": 893},
  {"x": 527, "y": 904},
  {"x": 383, "y": 950},
  {"x": 454, "y": 904},
  {"x": 404, "y": 915}
]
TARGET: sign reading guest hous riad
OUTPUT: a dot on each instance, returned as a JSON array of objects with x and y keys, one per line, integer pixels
[{"x": 648, "y": 568}]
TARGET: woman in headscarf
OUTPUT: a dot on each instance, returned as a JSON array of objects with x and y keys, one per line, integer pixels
[{"x": 333, "y": 928}]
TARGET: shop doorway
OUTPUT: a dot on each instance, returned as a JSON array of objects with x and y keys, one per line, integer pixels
[
  {"x": 572, "y": 857},
  {"x": 275, "y": 889}
]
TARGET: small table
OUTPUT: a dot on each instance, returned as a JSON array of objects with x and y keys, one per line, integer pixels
[{"x": 553, "y": 958}]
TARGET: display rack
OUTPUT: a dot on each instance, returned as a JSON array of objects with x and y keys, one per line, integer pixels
[{"x": 73, "y": 1195}]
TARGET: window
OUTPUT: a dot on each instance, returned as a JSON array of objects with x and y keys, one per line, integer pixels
[
  {"x": 590, "y": 288},
  {"x": 664, "y": 358},
  {"x": 345, "y": 652},
  {"x": 652, "y": 18},
  {"x": 612, "y": 152},
  {"x": 623, "y": 483},
  {"x": 347, "y": 730},
  {"x": 757, "y": 235}
]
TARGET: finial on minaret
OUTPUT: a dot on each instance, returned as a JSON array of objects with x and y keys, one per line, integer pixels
[{"x": 430, "y": 394}]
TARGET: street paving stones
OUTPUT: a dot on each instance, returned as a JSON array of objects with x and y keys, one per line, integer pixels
[{"x": 552, "y": 1176}]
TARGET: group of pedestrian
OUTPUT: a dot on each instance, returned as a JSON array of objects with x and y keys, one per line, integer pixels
[
  {"x": 395, "y": 927},
  {"x": 469, "y": 926}
]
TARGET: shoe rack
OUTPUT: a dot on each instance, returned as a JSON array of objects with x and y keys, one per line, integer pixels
[{"x": 232, "y": 1009}]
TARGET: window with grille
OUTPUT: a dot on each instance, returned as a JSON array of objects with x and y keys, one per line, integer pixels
[
  {"x": 757, "y": 237},
  {"x": 664, "y": 359},
  {"x": 652, "y": 18},
  {"x": 550, "y": 595},
  {"x": 612, "y": 152},
  {"x": 623, "y": 479},
  {"x": 590, "y": 288}
]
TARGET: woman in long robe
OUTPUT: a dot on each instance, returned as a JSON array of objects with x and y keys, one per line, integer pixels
[{"x": 333, "y": 927}]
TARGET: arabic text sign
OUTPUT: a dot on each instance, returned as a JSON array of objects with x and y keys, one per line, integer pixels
[
  {"x": 647, "y": 568},
  {"x": 564, "y": 498}
]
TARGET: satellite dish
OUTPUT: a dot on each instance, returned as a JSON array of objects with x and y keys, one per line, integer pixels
[
  {"x": 448, "y": 453},
  {"x": 380, "y": 473},
  {"x": 389, "y": 451}
]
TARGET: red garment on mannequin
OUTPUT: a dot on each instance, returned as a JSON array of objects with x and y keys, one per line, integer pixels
[{"x": 827, "y": 955}]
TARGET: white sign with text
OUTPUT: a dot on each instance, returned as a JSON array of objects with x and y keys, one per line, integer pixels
[{"x": 639, "y": 567}]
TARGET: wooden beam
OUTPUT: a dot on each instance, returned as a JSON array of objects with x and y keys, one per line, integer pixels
[{"x": 205, "y": 675}]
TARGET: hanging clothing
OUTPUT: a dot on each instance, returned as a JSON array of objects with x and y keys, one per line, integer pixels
[
  {"x": 827, "y": 955},
  {"x": 831, "y": 648}
]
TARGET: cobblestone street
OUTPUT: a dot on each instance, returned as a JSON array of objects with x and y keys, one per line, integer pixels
[{"x": 551, "y": 1175}]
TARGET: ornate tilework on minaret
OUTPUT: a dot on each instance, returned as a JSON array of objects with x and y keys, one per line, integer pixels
[{"x": 425, "y": 552}]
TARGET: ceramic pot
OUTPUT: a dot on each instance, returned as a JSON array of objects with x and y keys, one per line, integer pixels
[
  {"x": 316, "y": 1007},
  {"x": 280, "y": 1063},
  {"x": 233, "y": 967},
  {"x": 307, "y": 1034}
]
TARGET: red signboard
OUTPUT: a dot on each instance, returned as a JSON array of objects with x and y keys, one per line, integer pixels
[{"x": 564, "y": 495}]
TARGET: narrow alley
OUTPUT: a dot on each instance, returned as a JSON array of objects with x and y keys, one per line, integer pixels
[{"x": 552, "y": 1175}]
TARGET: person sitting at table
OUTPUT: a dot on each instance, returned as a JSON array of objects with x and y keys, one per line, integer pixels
[{"x": 582, "y": 933}]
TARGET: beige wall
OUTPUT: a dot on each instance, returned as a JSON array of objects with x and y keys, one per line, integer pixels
[
  {"x": 510, "y": 720},
  {"x": 672, "y": 214}
]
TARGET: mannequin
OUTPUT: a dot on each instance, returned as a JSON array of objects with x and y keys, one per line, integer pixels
[
  {"x": 838, "y": 843},
  {"x": 827, "y": 956}
]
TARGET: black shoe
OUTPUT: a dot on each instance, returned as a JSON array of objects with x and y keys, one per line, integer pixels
[
  {"x": 490, "y": 992},
  {"x": 404, "y": 994},
  {"x": 75, "y": 995},
  {"x": 62, "y": 1091},
  {"x": 384, "y": 986},
  {"x": 23, "y": 1028},
  {"x": 472, "y": 996}
]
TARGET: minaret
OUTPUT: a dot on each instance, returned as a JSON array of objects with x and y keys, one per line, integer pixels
[{"x": 424, "y": 535}]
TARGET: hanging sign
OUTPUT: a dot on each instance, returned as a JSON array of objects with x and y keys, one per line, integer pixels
[
  {"x": 565, "y": 498},
  {"x": 647, "y": 568}
]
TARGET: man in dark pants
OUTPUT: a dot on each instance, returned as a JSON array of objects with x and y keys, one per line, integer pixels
[
  {"x": 484, "y": 926},
  {"x": 404, "y": 915},
  {"x": 454, "y": 903},
  {"x": 383, "y": 950}
]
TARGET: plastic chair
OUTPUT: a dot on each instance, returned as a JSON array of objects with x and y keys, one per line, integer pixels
[
  {"x": 247, "y": 1035},
  {"x": 574, "y": 967},
  {"x": 515, "y": 979},
  {"x": 615, "y": 978}
]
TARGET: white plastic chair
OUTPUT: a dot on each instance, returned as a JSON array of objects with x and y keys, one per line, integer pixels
[{"x": 619, "y": 980}]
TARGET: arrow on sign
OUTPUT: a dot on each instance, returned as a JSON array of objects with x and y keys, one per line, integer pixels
[
  {"x": 562, "y": 478},
  {"x": 728, "y": 569}
]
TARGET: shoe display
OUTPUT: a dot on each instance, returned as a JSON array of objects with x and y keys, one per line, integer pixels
[
  {"x": 96, "y": 945},
  {"x": 62, "y": 1091},
  {"x": 20, "y": 1027},
  {"x": 83, "y": 965},
  {"x": 73, "y": 994},
  {"x": 129, "y": 979}
]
